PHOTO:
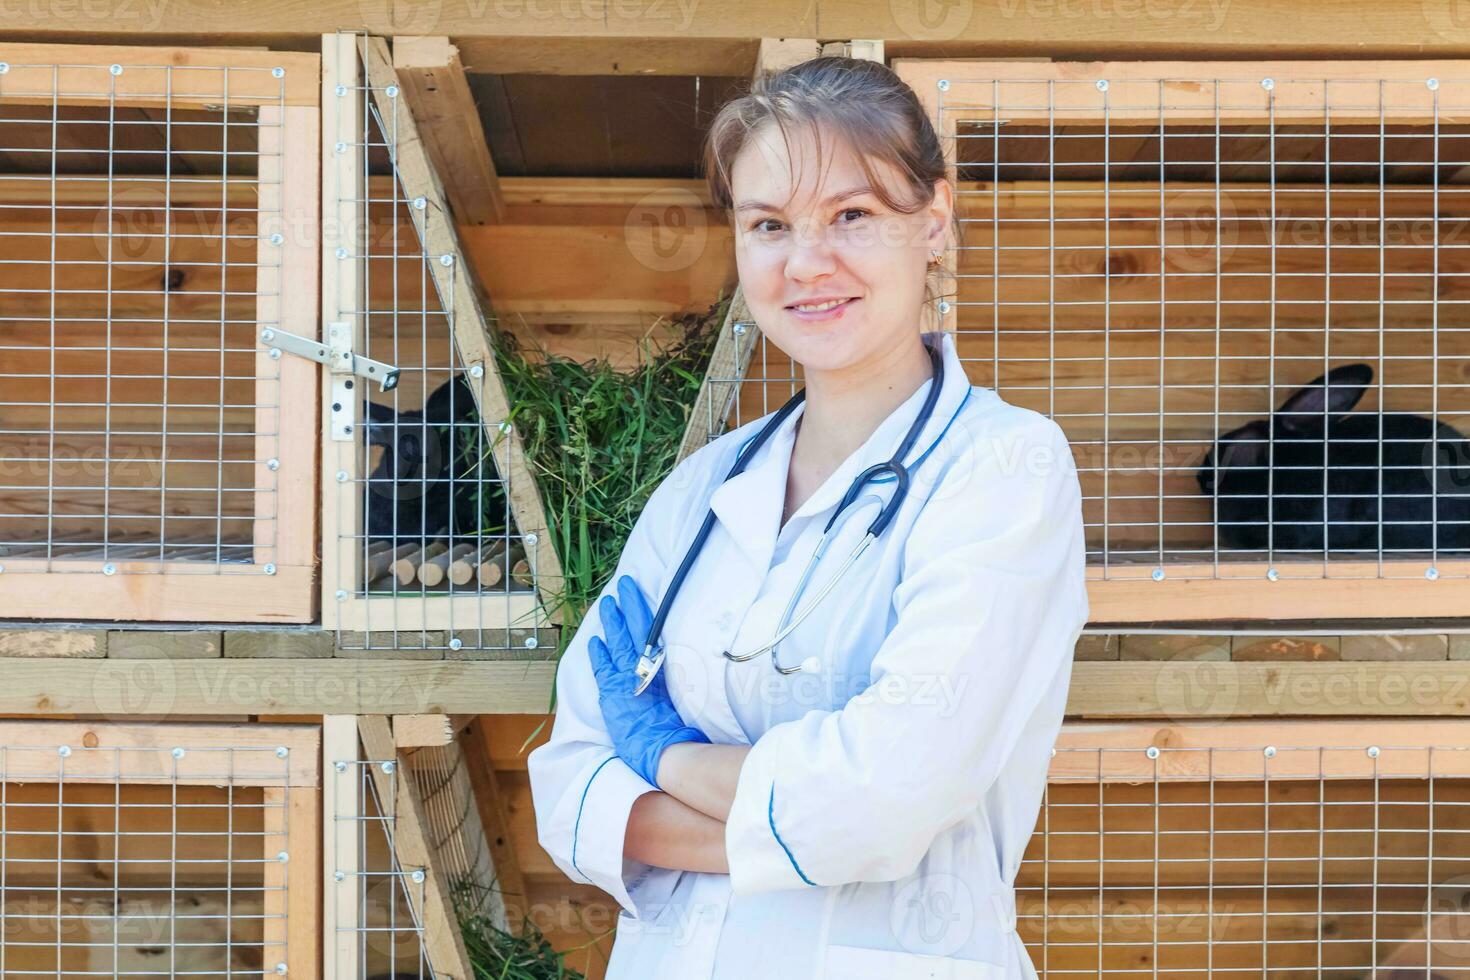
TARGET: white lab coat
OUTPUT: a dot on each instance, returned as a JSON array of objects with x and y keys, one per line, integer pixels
[{"x": 881, "y": 815}]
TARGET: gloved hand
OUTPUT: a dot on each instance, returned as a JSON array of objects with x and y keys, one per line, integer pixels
[{"x": 641, "y": 725}]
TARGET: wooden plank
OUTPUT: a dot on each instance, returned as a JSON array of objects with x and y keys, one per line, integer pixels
[
  {"x": 73, "y": 74},
  {"x": 415, "y": 731},
  {"x": 240, "y": 754},
  {"x": 181, "y": 592},
  {"x": 286, "y": 422},
  {"x": 456, "y": 287},
  {"x": 1301, "y": 749},
  {"x": 343, "y": 294},
  {"x": 442, "y": 938},
  {"x": 438, "y": 93},
  {"x": 1186, "y": 92},
  {"x": 342, "y": 832}
]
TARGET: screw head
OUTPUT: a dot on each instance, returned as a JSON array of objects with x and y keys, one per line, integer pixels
[
  {"x": 504, "y": 427},
  {"x": 739, "y": 329},
  {"x": 1152, "y": 751},
  {"x": 942, "y": 85},
  {"x": 341, "y": 476},
  {"x": 341, "y": 90},
  {"x": 270, "y": 568},
  {"x": 1372, "y": 751},
  {"x": 417, "y": 876},
  {"x": 1432, "y": 84},
  {"x": 277, "y": 238},
  {"x": 278, "y": 72},
  {"x": 944, "y": 306},
  {"x": 1102, "y": 84},
  {"x": 282, "y": 752},
  {"x": 2, "y": 568},
  {"x": 476, "y": 371},
  {"x": 340, "y": 766},
  {"x": 1431, "y": 573},
  {"x": 4, "y": 67},
  {"x": 531, "y": 642},
  {"x": 446, "y": 259},
  {"x": 455, "y": 643},
  {"x": 1054, "y": 752},
  {"x": 340, "y": 147},
  {"x": 1158, "y": 574},
  {"x": 339, "y": 876},
  {"x": 275, "y": 353},
  {"x": 391, "y": 91},
  {"x": 177, "y": 752},
  {"x": 109, "y": 569},
  {"x": 340, "y": 594},
  {"x": 1272, "y": 574},
  {"x": 283, "y": 857},
  {"x": 1268, "y": 84},
  {"x": 388, "y": 767},
  {"x": 115, "y": 69},
  {"x": 531, "y": 538},
  {"x": 63, "y": 751},
  {"x": 273, "y": 464},
  {"x": 1269, "y": 751},
  {"x": 341, "y": 252},
  {"x": 267, "y": 335},
  {"x": 280, "y": 969},
  {"x": 420, "y": 202}
]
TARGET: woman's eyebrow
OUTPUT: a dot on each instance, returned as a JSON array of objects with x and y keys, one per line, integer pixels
[{"x": 839, "y": 196}]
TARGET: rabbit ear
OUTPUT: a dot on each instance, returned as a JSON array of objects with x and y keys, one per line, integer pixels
[
  {"x": 1328, "y": 397},
  {"x": 380, "y": 422}
]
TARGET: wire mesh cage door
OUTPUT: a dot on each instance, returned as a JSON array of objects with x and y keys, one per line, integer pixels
[
  {"x": 1282, "y": 849},
  {"x": 1241, "y": 290},
  {"x": 434, "y": 535},
  {"x": 159, "y": 213},
  {"x": 408, "y": 865},
  {"x": 159, "y": 850}
]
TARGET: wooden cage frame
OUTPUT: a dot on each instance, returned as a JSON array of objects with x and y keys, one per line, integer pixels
[
  {"x": 279, "y": 584},
  {"x": 152, "y": 753},
  {"x": 364, "y": 63},
  {"x": 1124, "y": 593}
]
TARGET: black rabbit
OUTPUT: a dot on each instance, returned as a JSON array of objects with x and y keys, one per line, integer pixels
[
  {"x": 1313, "y": 424},
  {"x": 410, "y": 491}
]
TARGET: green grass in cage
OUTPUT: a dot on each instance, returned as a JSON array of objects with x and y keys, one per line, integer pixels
[
  {"x": 598, "y": 441},
  {"x": 496, "y": 954}
]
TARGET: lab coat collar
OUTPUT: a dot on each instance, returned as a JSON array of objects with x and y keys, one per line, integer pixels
[{"x": 749, "y": 504}]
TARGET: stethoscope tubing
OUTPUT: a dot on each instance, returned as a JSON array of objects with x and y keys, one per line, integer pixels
[{"x": 652, "y": 659}]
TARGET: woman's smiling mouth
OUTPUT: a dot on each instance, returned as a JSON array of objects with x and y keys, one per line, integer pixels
[{"x": 829, "y": 309}]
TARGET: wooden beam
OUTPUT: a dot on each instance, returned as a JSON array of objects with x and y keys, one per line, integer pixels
[
  {"x": 639, "y": 36},
  {"x": 438, "y": 93},
  {"x": 443, "y": 941},
  {"x": 422, "y": 731},
  {"x": 868, "y": 50},
  {"x": 455, "y": 282},
  {"x": 1099, "y": 689},
  {"x": 342, "y": 827}
]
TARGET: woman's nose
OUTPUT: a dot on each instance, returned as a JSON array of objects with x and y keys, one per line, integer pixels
[{"x": 810, "y": 251}]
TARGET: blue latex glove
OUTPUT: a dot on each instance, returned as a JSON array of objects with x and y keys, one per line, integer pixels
[{"x": 641, "y": 725}]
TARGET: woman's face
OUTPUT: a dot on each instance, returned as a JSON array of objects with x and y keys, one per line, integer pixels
[{"x": 826, "y": 237}]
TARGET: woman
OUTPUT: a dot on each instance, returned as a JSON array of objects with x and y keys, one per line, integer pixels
[{"x": 864, "y": 817}]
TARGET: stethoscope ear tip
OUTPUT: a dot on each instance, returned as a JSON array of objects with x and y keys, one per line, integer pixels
[{"x": 811, "y": 664}]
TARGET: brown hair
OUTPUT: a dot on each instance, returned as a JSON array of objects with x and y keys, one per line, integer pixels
[{"x": 864, "y": 103}]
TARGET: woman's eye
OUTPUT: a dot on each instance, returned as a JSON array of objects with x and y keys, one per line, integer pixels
[
  {"x": 758, "y": 224},
  {"x": 859, "y": 211}
]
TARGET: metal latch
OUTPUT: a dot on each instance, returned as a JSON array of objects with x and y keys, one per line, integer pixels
[{"x": 337, "y": 355}]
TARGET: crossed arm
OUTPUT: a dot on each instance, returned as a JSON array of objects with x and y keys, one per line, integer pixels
[{"x": 683, "y": 827}]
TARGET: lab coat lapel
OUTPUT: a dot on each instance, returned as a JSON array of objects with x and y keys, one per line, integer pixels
[{"x": 749, "y": 503}]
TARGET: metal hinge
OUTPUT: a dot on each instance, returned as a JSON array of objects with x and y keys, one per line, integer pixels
[{"x": 337, "y": 355}]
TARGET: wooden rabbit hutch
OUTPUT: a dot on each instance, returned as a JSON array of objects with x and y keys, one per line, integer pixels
[{"x": 275, "y": 573}]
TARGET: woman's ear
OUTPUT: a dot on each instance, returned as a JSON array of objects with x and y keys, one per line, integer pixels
[{"x": 940, "y": 213}]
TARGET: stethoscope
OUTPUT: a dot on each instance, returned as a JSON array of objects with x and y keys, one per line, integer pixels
[{"x": 650, "y": 662}]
